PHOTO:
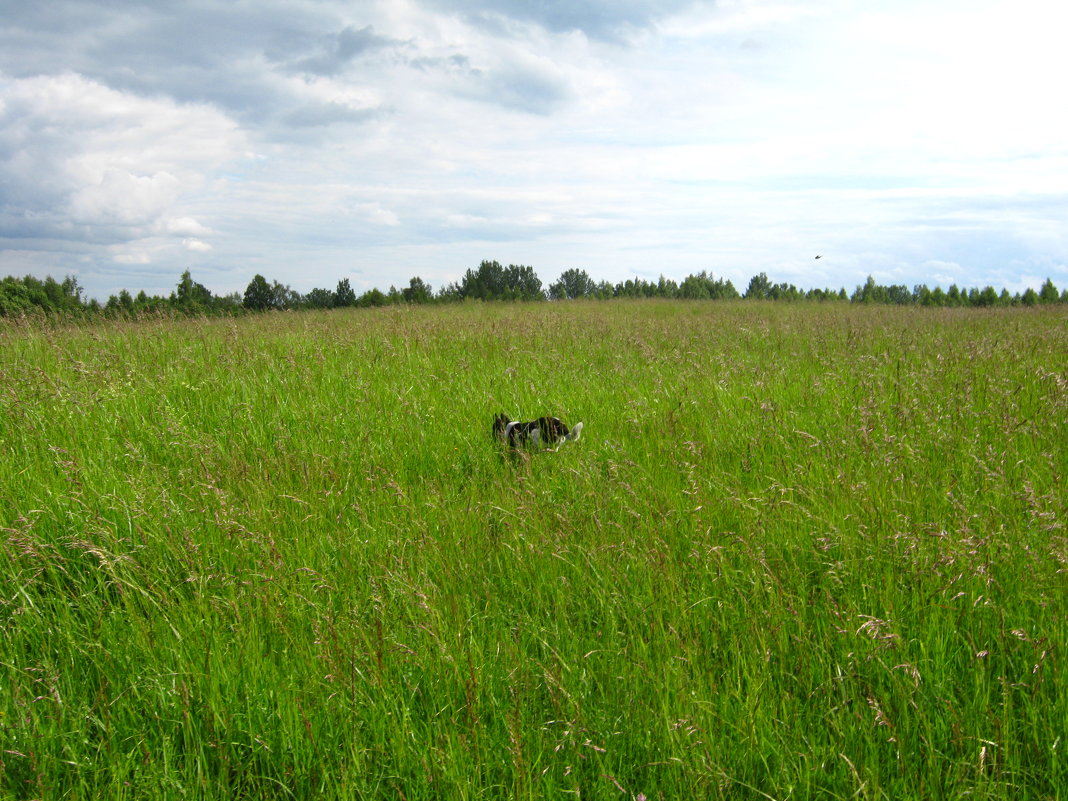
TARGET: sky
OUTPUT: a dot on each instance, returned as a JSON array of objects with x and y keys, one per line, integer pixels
[{"x": 917, "y": 141}]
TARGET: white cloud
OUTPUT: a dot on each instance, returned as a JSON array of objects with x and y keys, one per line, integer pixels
[
  {"x": 138, "y": 257},
  {"x": 375, "y": 213},
  {"x": 103, "y": 159},
  {"x": 186, "y": 226},
  {"x": 121, "y": 197}
]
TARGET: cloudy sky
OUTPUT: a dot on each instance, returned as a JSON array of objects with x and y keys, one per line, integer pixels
[{"x": 314, "y": 140}]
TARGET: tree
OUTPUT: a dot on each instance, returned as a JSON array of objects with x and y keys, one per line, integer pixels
[
  {"x": 572, "y": 283},
  {"x": 344, "y": 296},
  {"x": 228, "y": 302},
  {"x": 988, "y": 297},
  {"x": 522, "y": 283},
  {"x": 59, "y": 297},
  {"x": 631, "y": 288},
  {"x": 1048, "y": 293},
  {"x": 320, "y": 299},
  {"x": 871, "y": 292},
  {"x": 372, "y": 297},
  {"x": 666, "y": 288},
  {"x": 899, "y": 294},
  {"x": 183, "y": 293},
  {"x": 14, "y": 297},
  {"x": 784, "y": 291},
  {"x": 493, "y": 282},
  {"x": 603, "y": 291},
  {"x": 282, "y": 297},
  {"x": 258, "y": 294},
  {"x": 72, "y": 292},
  {"x": 694, "y": 287},
  {"x": 759, "y": 287},
  {"x": 450, "y": 293},
  {"x": 190, "y": 294},
  {"x": 486, "y": 283},
  {"x": 417, "y": 291}
]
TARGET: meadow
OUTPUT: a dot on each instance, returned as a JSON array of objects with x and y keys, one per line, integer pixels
[{"x": 801, "y": 551}]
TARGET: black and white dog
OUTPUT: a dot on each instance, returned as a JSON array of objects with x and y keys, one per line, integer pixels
[{"x": 547, "y": 431}]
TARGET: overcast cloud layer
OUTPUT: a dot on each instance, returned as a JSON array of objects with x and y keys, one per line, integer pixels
[{"x": 374, "y": 141}]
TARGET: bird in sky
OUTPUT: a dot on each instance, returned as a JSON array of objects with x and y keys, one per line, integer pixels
[{"x": 819, "y": 257}]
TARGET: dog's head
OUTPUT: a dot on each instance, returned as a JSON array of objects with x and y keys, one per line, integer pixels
[{"x": 500, "y": 426}]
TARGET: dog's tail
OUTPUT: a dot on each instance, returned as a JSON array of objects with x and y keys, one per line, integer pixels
[{"x": 576, "y": 432}]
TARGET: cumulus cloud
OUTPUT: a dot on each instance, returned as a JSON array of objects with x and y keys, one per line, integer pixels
[
  {"x": 377, "y": 214},
  {"x": 119, "y": 197},
  {"x": 84, "y": 161},
  {"x": 138, "y": 257},
  {"x": 185, "y": 226},
  {"x": 231, "y": 56}
]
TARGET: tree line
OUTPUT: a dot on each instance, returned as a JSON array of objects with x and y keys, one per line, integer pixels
[{"x": 490, "y": 282}]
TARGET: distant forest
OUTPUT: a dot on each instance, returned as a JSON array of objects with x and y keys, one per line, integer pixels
[{"x": 490, "y": 282}]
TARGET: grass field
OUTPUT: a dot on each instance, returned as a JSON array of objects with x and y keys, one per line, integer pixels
[{"x": 801, "y": 551}]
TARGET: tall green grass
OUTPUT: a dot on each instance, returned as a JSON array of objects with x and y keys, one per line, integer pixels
[{"x": 800, "y": 552}]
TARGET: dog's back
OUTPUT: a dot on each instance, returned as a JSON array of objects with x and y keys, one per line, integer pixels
[{"x": 544, "y": 430}]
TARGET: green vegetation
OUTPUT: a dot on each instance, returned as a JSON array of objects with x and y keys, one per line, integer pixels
[
  {"x": 490, "y": 282},
  {"x": 801, "y": 551}
]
